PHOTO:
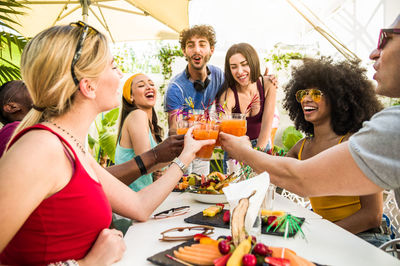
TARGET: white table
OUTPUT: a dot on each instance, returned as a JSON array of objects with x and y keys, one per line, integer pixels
[{"x": 325, "y": 243}]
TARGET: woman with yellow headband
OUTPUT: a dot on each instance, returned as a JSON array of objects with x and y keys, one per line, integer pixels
[{"x": 138, "y": 129}]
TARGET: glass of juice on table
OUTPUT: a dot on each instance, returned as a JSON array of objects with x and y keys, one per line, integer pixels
[
  {"x": 205, "y": 130},
  {"x": 234, "y": 124}
]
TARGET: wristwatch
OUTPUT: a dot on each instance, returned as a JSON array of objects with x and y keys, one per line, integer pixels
[{"x": 180, "y": 164}]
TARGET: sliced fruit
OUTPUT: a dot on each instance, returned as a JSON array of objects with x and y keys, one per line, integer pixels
[
  {"x": 277, "y": 261},
  {"x": 200, "y": 254},
  {"x": 212, "y": 210},
  {"x": 221, "y": 261},
  {"x": 291, "y": 256},
  {"x": 265, "y": 212},
  {"x": 219, "y": 175},
  {"x": 195, "y": 259},
  {"x": 237, "y": 222},
  {"x": 208, "y": 241}
]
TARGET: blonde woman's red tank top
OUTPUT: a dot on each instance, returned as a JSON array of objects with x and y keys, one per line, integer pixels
[{"x": 65, "y": 225}]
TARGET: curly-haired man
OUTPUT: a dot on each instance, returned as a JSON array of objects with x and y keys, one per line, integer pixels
[{"x": 198, "y": 81}]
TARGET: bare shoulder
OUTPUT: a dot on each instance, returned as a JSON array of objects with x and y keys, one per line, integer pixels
[
  {"x": 137, "y": 115},
  {"x": 38, "y": 154},
  {"x": 136, "y": 119},
  {"x": 39, "y": 142}
]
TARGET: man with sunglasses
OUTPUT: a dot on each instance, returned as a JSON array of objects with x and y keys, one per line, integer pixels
[{"x": 368, "y": 163}]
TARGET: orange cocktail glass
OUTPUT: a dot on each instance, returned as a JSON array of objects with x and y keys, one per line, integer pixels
[
  {"x": 205, "y": 131},
  {"x": 181, "y": 131},
  {"x": 183, "y": 126},
  {"x": 195, "y": 115},
  {"x": 234, "y": 124}
]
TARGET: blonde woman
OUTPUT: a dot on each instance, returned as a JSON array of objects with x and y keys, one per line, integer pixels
[
  {"x": 56, "y": 201},
  {"x": 138, "y": 129}
]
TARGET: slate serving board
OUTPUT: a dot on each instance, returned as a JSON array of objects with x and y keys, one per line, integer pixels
[
  {"x": 161, "y": 259},
  {"x": 217, "y": 221}
]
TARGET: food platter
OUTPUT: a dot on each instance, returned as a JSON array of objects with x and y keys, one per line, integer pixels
[{"x": 208, "y": 198}]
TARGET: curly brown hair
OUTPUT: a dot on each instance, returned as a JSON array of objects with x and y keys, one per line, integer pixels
[
  {"x": 346, "y": 87},
  {"x": 206, "y": 31}
]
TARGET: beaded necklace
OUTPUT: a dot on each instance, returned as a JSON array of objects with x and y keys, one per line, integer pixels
[{"x": 77, "y": 142}]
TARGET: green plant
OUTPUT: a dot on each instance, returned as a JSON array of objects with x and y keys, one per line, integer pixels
[
  {"x": 281, "y": 60},
  {"x": 103, "y": 146},
  {"x": 167, "y": 55},
  {"x": 125, "y": 58},
  {"x": 396, "y": 102},
  {"x": 290, "y": 137},
  {"x": 11, "y": 44}
]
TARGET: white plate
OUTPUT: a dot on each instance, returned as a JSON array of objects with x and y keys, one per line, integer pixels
[{"x": 208, "y": 198}]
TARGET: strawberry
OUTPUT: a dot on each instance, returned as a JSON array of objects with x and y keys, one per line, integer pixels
[
  {"x": 221, "y": 261},
  {"x": 272, "y": 220},
  {"x": 227, "y": 216}
]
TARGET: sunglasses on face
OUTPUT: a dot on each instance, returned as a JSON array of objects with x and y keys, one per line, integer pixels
[
  {"x": 85, "y": 30},
  {"x": 172, "y": 212},
  {"x": 384, "y": 35},
  {"x": 185, "y": 233},
  {"x": 315, "y": 95}
]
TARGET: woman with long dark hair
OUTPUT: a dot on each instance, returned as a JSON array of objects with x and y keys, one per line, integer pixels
[
  {"x": 138, "y": 129},
  {"x": 246, "y": 91}
]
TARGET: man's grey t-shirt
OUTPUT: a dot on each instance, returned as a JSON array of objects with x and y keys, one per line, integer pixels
[{"x": 376, "y": 149}]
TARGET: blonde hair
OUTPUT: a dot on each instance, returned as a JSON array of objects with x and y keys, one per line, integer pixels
[{"x": 46, "y": 69}]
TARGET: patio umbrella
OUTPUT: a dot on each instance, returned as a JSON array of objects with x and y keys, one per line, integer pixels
[{"x": 121, "y": 20}]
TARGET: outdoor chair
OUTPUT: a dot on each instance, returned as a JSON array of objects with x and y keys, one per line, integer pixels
[
  {"x": 304, "y": 202},
  {"x": 392, "y": 247},
  {"x": 391, "y": 212}
]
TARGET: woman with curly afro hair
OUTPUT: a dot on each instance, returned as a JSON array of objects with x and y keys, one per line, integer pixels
[{"x": 329, "y": 101}]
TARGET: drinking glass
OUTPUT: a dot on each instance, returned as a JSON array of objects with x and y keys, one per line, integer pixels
[
  {"x": 195, "y": 115},
  {"x": 205, "y": 130},
  {"x": 183, "y": 126},
  {"x": 234, "y": 124},
  {"x": 269, "y": 198}
]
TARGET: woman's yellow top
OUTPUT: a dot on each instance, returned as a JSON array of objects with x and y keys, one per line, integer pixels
[{"x": 334, "y": 208}]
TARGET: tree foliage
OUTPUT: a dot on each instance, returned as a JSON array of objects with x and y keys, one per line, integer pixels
[{"x": 11, "y": 42}]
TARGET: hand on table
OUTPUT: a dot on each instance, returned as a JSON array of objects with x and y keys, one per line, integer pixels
[
  {"x": 108, "y": 249},
  {"x": 233, "y": 145},
  {"x": 170, "y": 148}
]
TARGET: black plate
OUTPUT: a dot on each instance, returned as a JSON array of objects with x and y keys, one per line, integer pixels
[
  {"x": 217, "y": 221},
  {"x": 161, "y": 259}
]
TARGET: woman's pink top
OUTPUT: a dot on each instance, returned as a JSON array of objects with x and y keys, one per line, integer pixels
[
  {"x": 253, "y": 122},
  {"x": 65, "y": 225}
]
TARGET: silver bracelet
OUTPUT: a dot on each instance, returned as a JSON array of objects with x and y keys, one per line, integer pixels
[
  {"x": 65, "y": 263},
  {"x": 180, "y": 164}
]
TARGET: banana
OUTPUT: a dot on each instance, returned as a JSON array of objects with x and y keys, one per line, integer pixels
[{"x": 238, "y": 216}]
